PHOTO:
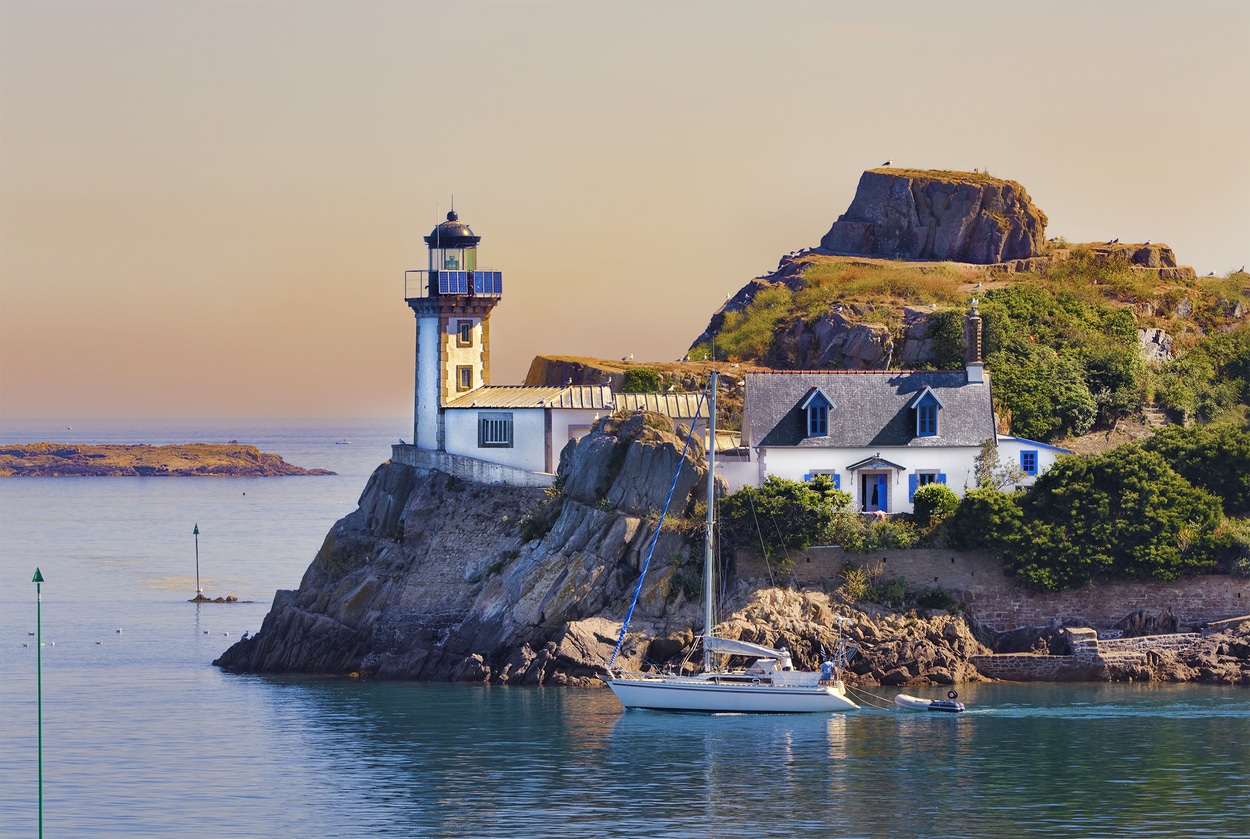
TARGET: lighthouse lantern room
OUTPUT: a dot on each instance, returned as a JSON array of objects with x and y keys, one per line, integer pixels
[{"x": 452, "y": 300}]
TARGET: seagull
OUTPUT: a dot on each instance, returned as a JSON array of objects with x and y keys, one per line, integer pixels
[
  {"x": 245, "y": 635},
  {"x": 99, "y": 643},
  {"x": 887, "y": 163},
  {"x": 1212, "y": 274},
  {"x": 1147, "y": 242},
  {"x": 119, "y": 630},
  {"x": 978, "y": 285}
]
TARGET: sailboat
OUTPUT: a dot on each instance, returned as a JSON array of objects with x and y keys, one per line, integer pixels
[{"x": 770, "y": 684}]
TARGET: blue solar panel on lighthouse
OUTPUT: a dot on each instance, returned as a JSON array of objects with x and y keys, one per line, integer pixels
[
  {"x": 453, "y": 282},
  {"x": 488, "y": 282}
]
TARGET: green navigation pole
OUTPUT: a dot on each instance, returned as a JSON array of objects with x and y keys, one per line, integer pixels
[
  {"x": 199, "y": 592},
  {"x": 38, "y": 581}
]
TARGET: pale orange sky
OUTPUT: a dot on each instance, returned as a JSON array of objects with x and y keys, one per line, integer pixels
[{"x": 206, "y": 208}]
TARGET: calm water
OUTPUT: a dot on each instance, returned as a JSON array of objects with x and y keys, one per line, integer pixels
[{"x": 143, "y": 737}]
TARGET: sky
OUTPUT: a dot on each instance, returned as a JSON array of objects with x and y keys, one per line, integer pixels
[{"x": 206, "y": 208}]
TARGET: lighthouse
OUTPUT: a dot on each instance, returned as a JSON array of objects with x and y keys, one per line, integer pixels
[{"x": 452, "y": 300}]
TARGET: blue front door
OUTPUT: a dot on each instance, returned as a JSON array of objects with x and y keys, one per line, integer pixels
[{"x": 873, "y": 494}]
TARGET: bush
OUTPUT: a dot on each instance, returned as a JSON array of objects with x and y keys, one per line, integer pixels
[
  {"x": 934, "y": 499},
  {"x": 782, "y": 515},
  {"x": 642, "y": 380},
  {"x": 1122, "y": 515},
  {"x": 1216, "y": 458},
  {"x": 986, "y": 518}
]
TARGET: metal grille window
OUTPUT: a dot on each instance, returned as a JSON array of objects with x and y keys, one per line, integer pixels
[{"x": 494, "y": 430}]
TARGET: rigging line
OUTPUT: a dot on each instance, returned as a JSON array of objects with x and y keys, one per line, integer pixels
[
  {"x": 862, "y": 693},
  {"x": 763, "y": 548},
  {"x": 655, "y": 537}
]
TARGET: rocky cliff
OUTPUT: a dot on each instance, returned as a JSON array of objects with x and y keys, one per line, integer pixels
[
  {"x": 435, "y": 579},
  {"x": 957, "y": 216}
]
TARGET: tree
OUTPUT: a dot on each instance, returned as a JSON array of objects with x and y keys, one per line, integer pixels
[
  {"x": 988, "y": 471},
  {"x": 1215, "y": 457},
  {"x": 1045, "y": 393},
  {"x": 1125, "y": 514},
  {"x": 781, "y": 515}
]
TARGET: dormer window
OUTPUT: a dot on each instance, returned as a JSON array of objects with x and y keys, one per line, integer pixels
[
  {"x": 926, "y": 421},
  {"x": 816, "y": 405},
  {"x": 926, "y": 406}
]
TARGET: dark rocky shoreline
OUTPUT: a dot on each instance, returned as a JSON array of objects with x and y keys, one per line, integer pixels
[{"x": 436, "y": 579}]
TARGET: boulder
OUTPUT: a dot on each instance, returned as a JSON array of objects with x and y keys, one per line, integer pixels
[{"x": 956, "y": 216}]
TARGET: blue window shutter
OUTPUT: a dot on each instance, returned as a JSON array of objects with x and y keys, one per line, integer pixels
[
  {"x": 912, "y": 480},
  {"x": 837, "y": 481},
  {"x": 941, "y": 477}
]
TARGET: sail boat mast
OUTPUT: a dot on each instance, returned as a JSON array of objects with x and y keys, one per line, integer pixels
[{"x": 709, "y": 556}]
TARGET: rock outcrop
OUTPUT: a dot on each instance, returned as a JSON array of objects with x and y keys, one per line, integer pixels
[
  {"x": 52, "y": 460},
  {"x": 437, "y": 579},
  {"x": 957, "y": 216}
]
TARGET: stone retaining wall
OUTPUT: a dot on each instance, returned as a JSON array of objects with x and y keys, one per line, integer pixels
[
  {"x": 1089, "y": 661},
  {"x": 977, "y": 578}
]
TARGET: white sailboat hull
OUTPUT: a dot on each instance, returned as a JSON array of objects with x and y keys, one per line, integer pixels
[{"x": 677, "y": 693}]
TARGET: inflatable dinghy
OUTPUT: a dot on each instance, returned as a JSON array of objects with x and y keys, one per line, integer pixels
[{"x": 915, "y": 703}]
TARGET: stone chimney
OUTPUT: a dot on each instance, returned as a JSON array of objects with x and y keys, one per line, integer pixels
[{"x": 972, "y": 345}]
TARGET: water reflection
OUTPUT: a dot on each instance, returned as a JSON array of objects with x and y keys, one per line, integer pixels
[{"x": 456, "y": 761}]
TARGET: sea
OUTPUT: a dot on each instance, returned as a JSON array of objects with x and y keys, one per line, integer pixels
[{"x": 142, "y": 737}]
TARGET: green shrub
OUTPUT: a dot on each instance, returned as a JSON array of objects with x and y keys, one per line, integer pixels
[
  {"x": 985, "y": 518},
  {"x": 931, "y": 500},
  {"x": 1216, "y": 458},
  {"x": 781, "y": 515},
  {"x": 642, "y": 380},
  {"x": 1122, "y": 515}
]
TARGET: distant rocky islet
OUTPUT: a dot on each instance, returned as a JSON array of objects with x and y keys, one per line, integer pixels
[{"x": 58, "y": 460}]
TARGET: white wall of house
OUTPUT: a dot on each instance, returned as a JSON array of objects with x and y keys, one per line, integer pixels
[
  {"x": 1012, "y": 450},
  {"x": 798, "y": 464},
  {"x": 569, "y": 424},
  {"x": 529, "y": 437},
  {"x": 738, "y": 473}
]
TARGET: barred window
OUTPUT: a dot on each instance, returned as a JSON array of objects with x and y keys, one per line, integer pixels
[{"x": 494, "y": 430}]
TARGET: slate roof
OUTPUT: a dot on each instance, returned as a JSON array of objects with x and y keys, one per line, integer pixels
[
  {"x": 872, "y": 408},
  {"x": 598, "y": 397}
]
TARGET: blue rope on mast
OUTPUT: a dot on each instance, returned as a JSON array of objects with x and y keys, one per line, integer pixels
[{"x": 655, "y": 537}]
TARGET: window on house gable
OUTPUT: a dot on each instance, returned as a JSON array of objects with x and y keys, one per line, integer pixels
[
  {"x": 464, "y": 377},
  {"x": 1028, "y": 461},
  {"x": 464, "y": 333},
  {"x": 494, "y": 430}
]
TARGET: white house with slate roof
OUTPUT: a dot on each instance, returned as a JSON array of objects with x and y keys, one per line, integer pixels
[{"x": 879, "y": 435}]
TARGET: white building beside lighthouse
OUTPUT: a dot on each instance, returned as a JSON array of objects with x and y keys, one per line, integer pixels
[{"x": 461, "y": 423}]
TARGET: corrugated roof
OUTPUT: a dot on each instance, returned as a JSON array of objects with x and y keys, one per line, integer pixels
[
  {"x": 872, "y": 408},
  {"x": 590, "y": 397},
  {"x": 670, "y": 404}
]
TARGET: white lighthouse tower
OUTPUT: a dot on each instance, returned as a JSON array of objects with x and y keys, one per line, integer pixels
[{"x": 452, "y": 300}]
